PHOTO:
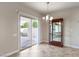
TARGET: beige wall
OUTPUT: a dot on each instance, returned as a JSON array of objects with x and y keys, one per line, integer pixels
[
  {"x": 9, "y": 26},
  {"x": 45, "y": 30}
]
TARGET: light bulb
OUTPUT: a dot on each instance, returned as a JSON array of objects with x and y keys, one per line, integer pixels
[
  {"x": 51, "y": 18},
  {"x": 47, "y": 17}
]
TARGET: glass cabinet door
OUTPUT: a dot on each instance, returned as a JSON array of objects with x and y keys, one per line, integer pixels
[
  {"x": 50, "y": 31},
  {"x": 57, "y": 31}
]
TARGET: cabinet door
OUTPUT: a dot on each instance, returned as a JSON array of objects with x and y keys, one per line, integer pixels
[{"x": 57, "y": 32}]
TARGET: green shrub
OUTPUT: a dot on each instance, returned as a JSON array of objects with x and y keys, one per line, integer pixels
[
  {"x": 35, "y": 24},
  {"x": 25, "y": 25}
]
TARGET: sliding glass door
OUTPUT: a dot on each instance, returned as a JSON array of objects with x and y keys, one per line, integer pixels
[{"x": 29, "y": 32}]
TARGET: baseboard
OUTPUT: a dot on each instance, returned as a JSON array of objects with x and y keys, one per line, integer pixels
[
  {"x": 44, "y": 42},
  {"x": 8, "y": 54},
  {"x": 72, "y": 46}
]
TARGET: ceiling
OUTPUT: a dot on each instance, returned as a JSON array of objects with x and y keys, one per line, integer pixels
[{"x": 41, "y": 7}]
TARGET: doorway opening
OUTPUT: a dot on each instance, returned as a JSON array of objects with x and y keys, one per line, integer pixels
[{"x": 29, "y": 32}]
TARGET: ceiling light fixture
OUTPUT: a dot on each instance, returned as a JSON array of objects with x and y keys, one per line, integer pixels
[{"x": 47, "y": 17}]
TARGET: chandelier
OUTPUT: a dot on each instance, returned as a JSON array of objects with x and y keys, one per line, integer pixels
[{"x": 47, "y": 17}]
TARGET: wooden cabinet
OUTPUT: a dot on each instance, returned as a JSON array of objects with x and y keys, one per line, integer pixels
[{"x": 56, "y": 32}]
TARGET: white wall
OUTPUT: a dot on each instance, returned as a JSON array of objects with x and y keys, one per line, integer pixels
[
  {"x": 71, "y": 25},
  {"x": 9, "y": 26}
]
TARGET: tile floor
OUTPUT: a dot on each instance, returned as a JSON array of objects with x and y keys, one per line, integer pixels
[{"x": 45, "y": 50}]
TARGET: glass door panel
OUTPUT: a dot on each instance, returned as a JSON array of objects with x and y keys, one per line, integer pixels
[
  {"x": 35, "y": 30},
  {"x": 50, "y": 31},
  {"x": 25, "y": 30},
  {"x": 57, "y": 31}
]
